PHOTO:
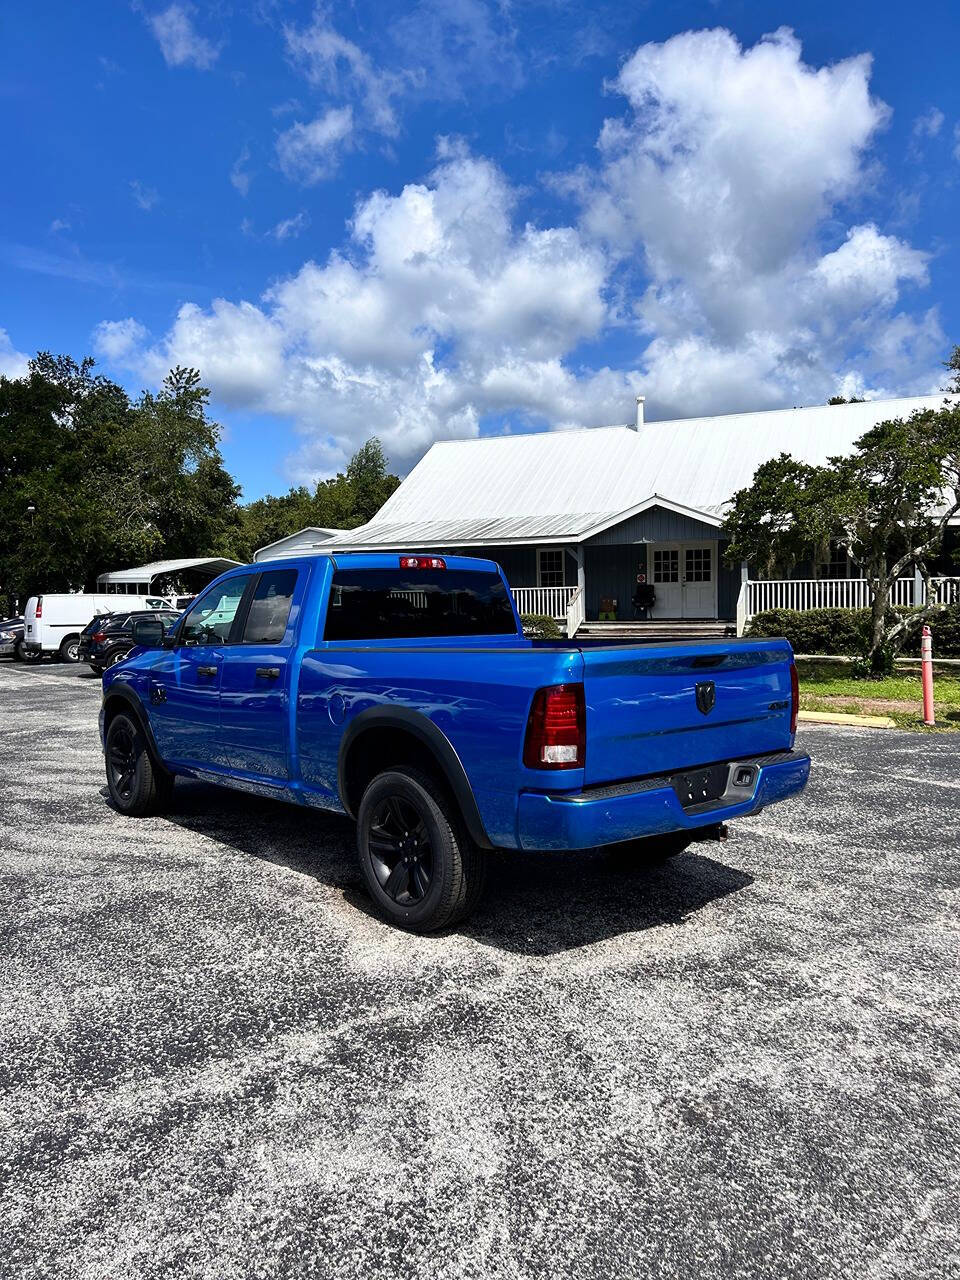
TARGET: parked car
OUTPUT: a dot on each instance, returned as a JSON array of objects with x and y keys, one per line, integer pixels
[
  {"x": 11, "y": 639},
  {"x": 108, "y": 638},
  {"x": 53, "y": 623},
  {"x": 401, "y": 690}
]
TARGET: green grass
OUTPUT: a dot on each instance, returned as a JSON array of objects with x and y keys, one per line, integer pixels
[
  {"x": 826, "y": 680},
  {"x": 823, "y": 685}
]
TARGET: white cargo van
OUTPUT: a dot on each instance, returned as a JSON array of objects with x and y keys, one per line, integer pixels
[{"x": 52, "y": 623}]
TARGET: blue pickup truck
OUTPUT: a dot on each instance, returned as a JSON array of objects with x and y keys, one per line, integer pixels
[{"x": 401, "y": 690}]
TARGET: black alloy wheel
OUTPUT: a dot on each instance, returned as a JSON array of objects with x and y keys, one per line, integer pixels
[
  {"x": 122, "y": 760},
  {"x": 23, "y": 654},
  {"x": 400, "y": 851},
  {"x": 138, "y": 785},
  {"x": 422, "y": 870},
  {"x": 118, "y": 655}
]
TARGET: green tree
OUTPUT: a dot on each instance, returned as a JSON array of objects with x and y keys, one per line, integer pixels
[
  {"x": 110, "y": 482},
  {"x": 888, "y": 503},
  {"x": 270, "y": 518},
  {"x": 351, "y": 499},
  {"x": 347, "y": 500}
]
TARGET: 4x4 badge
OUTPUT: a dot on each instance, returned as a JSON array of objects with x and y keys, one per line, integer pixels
[{"x": 706, "y": 696}]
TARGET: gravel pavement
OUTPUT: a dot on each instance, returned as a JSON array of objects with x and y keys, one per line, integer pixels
[{"x": 216, "y": 1062}]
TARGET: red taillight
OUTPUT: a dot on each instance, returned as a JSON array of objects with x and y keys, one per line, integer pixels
[
  {"x": 794, "y": 696},
  {"x": 422, "y": 562},
  {"x": 98, "y": 637},
  {"x": 557, "y": 728},
  {"x": 39, "y": 613}
]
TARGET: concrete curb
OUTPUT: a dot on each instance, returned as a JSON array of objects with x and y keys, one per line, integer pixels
[{"x": 839, "y": 717}]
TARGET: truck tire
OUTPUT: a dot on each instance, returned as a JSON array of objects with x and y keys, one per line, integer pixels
[
  {"x": 70, "y": 649},
  {"x": 137, "y": 786},
  {"x": 117, "y": 655},
  {"x": 421, "y": 868}
]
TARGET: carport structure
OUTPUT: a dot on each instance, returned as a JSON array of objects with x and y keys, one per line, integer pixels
[{"x": 161, "y": 577}]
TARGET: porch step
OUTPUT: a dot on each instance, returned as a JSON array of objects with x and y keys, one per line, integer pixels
[{"x": 664, "y": 629}]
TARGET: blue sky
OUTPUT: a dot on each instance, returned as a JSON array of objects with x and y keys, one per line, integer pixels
[{"x": 435, "y": 220}]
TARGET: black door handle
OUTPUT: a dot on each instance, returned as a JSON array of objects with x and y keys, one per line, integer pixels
[
  {"x": 269, "y": 673},
  {"x": 207, "y": 671}
]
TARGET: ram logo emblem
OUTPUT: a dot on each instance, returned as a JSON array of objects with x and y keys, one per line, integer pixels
[{"x": 706, "y": 696}]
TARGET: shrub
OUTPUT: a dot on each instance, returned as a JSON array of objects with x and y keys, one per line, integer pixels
[
  {"x": 843, "y": 631},
  {"x": 539, "y": 626},
  {"x": 847, "y": 631}
]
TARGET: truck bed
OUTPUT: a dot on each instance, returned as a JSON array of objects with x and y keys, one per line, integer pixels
[{"x": 641, "y": 705}]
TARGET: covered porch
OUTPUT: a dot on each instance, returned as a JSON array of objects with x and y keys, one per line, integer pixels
[{"x": 676, "y": 553}]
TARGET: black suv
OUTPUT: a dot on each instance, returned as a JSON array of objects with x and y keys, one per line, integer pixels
[{"x": 108, "y": 638}]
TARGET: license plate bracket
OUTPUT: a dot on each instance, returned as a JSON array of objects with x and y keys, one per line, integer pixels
[{"x": 700, "y": 786}]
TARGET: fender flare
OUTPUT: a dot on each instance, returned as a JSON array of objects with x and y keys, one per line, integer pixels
[
  {"x": 436, "y": 742},
  {"x": 120, "y": 692}
]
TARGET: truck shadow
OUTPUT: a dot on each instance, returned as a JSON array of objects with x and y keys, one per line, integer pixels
[
  {"x": 540, "y": 904},
  {"x": 536, "y": 904}
]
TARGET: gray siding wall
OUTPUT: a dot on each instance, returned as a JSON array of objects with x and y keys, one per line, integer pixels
[
  {"x": 613, "y": 559},
  {"x": 728, "y": 585},
  {"x": 612, "y": 571},
  {"x": 655, "y": 525},
  {"x": 518, "y": 563}
]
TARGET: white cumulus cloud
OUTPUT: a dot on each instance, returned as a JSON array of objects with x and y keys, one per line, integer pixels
[
  {"x": 290, "y": 228},
  {"x": 342, "y": 68},
  {"x": 718, "y": 241},
  {"x": 441, "y": 311},
  {"x": 308, "y": 153},
  {"x": 718, "y": 182},
  {"x": 13, "y": 363},
  {"x": 929, "y": 124},
  {"x": 116, "y": 339},
  {"x": 180, "y": 42}
]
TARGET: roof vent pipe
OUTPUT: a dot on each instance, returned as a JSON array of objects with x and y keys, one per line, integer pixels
[{"x": 640, "y": 400}]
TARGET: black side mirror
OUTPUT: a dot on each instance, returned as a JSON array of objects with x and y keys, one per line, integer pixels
[{"x": 148, "y": 632}]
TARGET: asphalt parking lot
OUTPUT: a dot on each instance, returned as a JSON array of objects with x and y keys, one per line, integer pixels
[{"x": 215, "y": 1062}]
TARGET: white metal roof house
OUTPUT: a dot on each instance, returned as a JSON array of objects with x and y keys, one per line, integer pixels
[
  {"x": 304, "y": 542},
  {"x": 594, "y": 508}
]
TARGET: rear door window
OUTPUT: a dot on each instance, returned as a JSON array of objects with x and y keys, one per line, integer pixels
[
  {"x": 401, "y": 604},
  {"x": 270, "y": 607}
]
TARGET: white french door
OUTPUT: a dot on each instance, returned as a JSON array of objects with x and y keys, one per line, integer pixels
[
  {"x": 664, "y": 574},
  {"x": 684, "y": 576}
]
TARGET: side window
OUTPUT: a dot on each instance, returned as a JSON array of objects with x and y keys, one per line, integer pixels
[
  {"x": 210, "y": 619},
  {"x": 270, "y": 607},
  {"x": 549, "y": 567}
]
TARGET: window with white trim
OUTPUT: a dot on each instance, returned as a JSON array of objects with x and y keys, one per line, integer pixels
[
  {"x": 666, "y": 564},
  {"x": 549, "y": 567},
  {"x": 698, "y": 564},
  {"x": 840, "y": 565}
]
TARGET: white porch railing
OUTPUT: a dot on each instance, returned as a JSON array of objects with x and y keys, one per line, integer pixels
[
  {"x": 832, "y": 593},
  {"x": 552, "y": 601},
  {"x": 576, "y": 612},
  {"x": 947, "y": 590}
]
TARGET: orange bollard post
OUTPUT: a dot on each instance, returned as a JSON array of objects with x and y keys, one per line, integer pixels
[{"x": 926, "y": 675}]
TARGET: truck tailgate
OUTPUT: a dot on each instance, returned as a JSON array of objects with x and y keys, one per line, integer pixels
[{"x": 644, "y": 714}]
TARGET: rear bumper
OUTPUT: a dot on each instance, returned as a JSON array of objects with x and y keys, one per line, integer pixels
[
  {"x": 651, "y": 806},
  {"x": 32, "y": 646}
]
